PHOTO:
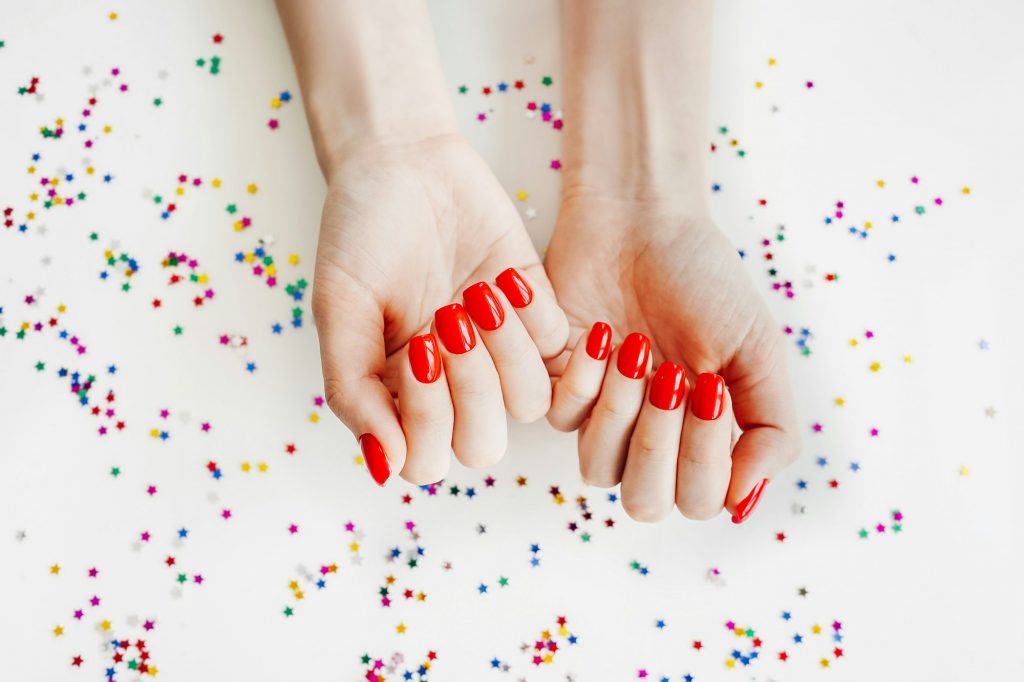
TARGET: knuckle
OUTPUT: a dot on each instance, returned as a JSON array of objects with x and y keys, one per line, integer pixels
[
  {"x": 421, "y": 469},
  {"x": 697, "y": 511},
  {"x": 644, "y": 511},
  {"x": 599, "y": 477},
  {"x": 615, "y": 411},
  {"x": 575, "y": 392},
  {"x": 337, "y": 399},
  {"x": 552, "y": 337},
  {"x": 650, "y": 449}
]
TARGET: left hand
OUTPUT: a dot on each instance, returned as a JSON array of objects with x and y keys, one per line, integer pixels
[{"x": 671, "y": 275}]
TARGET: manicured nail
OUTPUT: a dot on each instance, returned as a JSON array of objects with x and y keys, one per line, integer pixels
[
  {"x": 515, "y": 288},
  {"x": 633, "y": 355},
  {"x": 708, "y": 396},
  {"x": 668, "y": 386},
  {"x": 599, "y": 341},
  {"x": 748, "y": 504},
  {"x": 425, "y": 358},
  {"x": 483, "y": 306},
  {"x": 376, "y": 460},
  {"x": 454, "y": 328}
]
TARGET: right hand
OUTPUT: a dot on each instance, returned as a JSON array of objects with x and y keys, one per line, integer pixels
[{"x": 407, "y": 227}]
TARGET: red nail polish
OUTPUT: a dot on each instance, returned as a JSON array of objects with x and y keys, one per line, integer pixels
[
  {"x": 708, "y": 396},
  {"x": 483, "y": 306},
  {"x": 668, "y": 386},
  {"x": 599, "y": 341},
  {"x": 633, "y": 355},
  {"x": 376, "y": 460},
  {"x": 747, "y": 505},
  {"x": 425, "y": 358},
  {"x": 454, "y": 328},
  {"x": 515, "y": 288}
]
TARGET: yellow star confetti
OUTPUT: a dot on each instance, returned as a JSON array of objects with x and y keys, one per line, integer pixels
[{"x": 252, "y": 188}]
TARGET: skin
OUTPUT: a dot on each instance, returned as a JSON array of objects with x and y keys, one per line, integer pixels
[
  {"x": 635, "y": 246},
  {"x": 413, "y": 216}
]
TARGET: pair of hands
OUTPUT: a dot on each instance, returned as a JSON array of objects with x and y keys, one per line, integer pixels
[{"x": 410, "y": 226}]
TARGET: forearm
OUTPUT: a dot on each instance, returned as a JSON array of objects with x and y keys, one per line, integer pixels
[
  {"x": 636, "y": 94},
  {"x": 368, "y": 70}
]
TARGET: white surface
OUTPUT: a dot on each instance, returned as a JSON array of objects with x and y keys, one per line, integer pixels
[{"x": 900, "y": 89}]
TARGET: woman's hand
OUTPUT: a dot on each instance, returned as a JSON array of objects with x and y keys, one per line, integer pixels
[
  {"x": 413, "y": 220},
  {"x": 407, "y": 228},
  {"x": 641, "y": 266}
]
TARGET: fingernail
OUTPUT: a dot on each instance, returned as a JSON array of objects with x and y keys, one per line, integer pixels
[
  {"x": 424, "y": 358},
  {"x": 708, "y": 396},
  {"x": 454, "y": 328},
  {"x": 748, "y": 504},
  {"x": 515, "y": 288},
  {"x": 633, "y": 355},
  {"x": 483, "y": 306},
  {"x": 376, "y": 460},
  {"x": 599, "y": 341},
  {"x": 668, "y": 386}
]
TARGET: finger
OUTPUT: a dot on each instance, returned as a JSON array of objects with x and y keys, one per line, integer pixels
[
  {"x": 537, "y": 308},
  {"x": 766, "y": 413},
  {"x": 702, "y": 477},
  {"x": 480, "y": 433},
  {"x": 350, "y": 326},
  {"x": 427, "y": 413},
  {"x": 525, "y": 386},
  {"x": 604, "y": 440},
  {"x": 576, "y": 390},
  {"x": 649, "y": 480}
]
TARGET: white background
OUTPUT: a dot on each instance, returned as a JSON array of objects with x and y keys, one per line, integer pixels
[{"x": 930, "y": 89}]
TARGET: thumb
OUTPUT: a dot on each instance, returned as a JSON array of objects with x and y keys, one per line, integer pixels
[
  {"x": 350, "y": 326},
  {"x": 763, "y": 404}
]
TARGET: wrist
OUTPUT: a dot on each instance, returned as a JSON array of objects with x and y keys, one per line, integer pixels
[
  {"x": 636, "y": 90},
  {"x": 369, "y": 72},
  {"x": 339, "y": 133}
]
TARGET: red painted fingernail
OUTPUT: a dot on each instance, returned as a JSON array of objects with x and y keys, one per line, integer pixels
[
  {"x": 483, "y": 306},
  {"x": 708, "y": 396},
  {"x": 633, "y": 355},
  {"x": 747, "y": 505},
  {"x": 668, "y": 386},
  {"x": 425, "y": 358},
  {"x": 454, "y": 328},
  {"x": 515, "y": 288},
  {"x": 599, "y": 341},
  {"x": 376, "y": 460}
]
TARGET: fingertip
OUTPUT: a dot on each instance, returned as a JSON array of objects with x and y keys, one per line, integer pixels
[{"x": 748, "y": 504}]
